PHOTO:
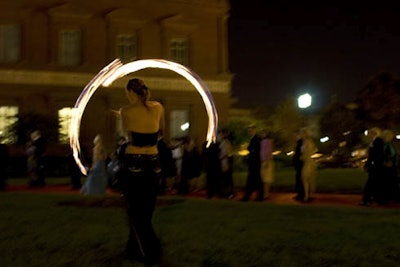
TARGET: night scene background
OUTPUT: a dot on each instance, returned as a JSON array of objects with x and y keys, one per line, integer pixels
[{"x": 327, "y": 48}]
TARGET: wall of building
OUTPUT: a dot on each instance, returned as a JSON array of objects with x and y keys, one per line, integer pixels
[{"x": 38, "y": 83}]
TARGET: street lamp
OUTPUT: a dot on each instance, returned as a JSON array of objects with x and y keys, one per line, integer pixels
[{"x": 304, "y": 101}]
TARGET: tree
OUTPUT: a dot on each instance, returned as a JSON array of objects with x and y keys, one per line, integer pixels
[
  {"x": 286, "y": 121},
  {"x": 378, "y": 101},
  {"x": 340, "y": 124}
]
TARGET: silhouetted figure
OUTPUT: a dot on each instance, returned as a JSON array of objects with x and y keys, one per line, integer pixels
[
  {"x": 212, "y": 168},
  {"x": 191, "y": 167},
  {"x": 298, "y": 166},
  {"x": 3, "y": 166},
  {"x": 390, "y": 187},
  {"x": 74, "y": 172},
  {"x": 267, "y": 162},
  {"x": 167, "y": 165},
  {"x": 35, "y": 154},
  {"x": 374, "y": 167},
  {"x": 226, "y": 159},
  {"x": 253, "y": 182}
]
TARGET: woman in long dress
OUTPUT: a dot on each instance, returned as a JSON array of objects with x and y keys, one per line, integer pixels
[
  {"x": 96, "y": 181},
  {"x": 309, "y": 167}
]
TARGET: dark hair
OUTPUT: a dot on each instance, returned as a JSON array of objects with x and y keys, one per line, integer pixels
[{"x": 138, "y": 87}]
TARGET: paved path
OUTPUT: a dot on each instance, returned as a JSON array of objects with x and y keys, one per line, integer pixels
[{"x": 276, "y": 198}]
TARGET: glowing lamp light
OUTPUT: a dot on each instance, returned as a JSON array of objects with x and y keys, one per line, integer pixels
[
  {"x": 185, "y": 126},
  {"x": 304, "y": 101},
  {"x": 117, "y": 70},
  {"x": 324, "y": 139}
]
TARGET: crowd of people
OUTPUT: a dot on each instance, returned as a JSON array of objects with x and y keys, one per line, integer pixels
[
  {"x": 143, "y": 166},
  {"x": 381, "y": 186}
]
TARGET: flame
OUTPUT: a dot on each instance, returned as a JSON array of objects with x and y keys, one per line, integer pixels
[{"x": 117, "y": 70}]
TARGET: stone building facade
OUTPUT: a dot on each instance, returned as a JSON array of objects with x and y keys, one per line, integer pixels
[{"x": 50, "y": 50}]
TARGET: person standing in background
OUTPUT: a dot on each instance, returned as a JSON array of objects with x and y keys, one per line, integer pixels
[
  {"x": 253, "y": 182},
  {"x": 97, "y": 179},
  {"x": 298, "y": 166},
  {"x": 374, "y": 167},
  {"x": 267, "y": 162},
  {"x": 308, "y": 171},
  {"x": 226, "y": 159},
  {"x": 35, "y": 153},
  {"x": 3, "y": 165}
]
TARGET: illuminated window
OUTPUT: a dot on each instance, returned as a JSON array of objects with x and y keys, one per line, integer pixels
[
  {"x": 179, "y": 48},
  {"x": 8, "y": 116},
  {"x": 70, "y": 48},
  {"x": 179, "y": 123},
  {"x": 126, "y": 47},
  {"x": 10, "y": 43},
  {"x": 64, "y": 121}
]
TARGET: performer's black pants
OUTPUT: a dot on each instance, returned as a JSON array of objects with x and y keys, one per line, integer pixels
[{"x": 139, "y": 186}]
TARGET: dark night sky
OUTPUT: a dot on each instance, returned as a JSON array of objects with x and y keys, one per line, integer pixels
[{"x": 327, "y": 48}]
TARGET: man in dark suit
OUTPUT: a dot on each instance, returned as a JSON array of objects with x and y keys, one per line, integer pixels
[
  {"x": 39, "y": 144},
  {"x": 298, "y": 166},
  {"x": 374, "y": 167},
  {"x": 3, "y": 166},
  {"x": 253, "y": 182}
]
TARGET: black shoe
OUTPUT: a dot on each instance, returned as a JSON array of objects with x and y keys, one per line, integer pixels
[
  {"x": 298, "y": 198},
  {"x": 364, "y": 203}
]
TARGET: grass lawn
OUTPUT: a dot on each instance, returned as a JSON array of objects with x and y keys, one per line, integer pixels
[{"x": 45, "y": 229}]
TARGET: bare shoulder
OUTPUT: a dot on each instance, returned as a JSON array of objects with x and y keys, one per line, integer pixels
[{"x": 155, "y": 104}]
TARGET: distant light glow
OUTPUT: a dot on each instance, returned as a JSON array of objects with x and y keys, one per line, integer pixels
[
  {"x": 243, "y": 152},
  {"x": 276, "y": 152},
  {"x": 117, "y": 70},
  {"x": 185, "y": 126},
  {"x": 316, "y": 155},
  {"x": 289, "y": 153},
  {"x": 304, "y": 101},
  {"x": 398, "y": 137},
  {"x": 324, "y": 139}
]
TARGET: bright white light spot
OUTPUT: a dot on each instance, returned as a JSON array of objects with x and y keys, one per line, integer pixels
[
  {"x": 398, "y": 137},
  {"x": 289, "y": 153},
  {"x": 324, "y": 139},
  {"x": 185, "y": 126},
  {"x": 366, "y": 132},
  {"x": 304, "y": 101}
]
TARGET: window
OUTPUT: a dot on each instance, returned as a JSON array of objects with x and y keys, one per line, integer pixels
[
  {"x": 179, "y": 123},
  {"x": 126, "y": 47},
  {"x": 8, "y": 116},
  {"x": 64, "y": 121},
  {"x": 179, "y": 49},
  {"x": 70, "y": 48},
  {"x": 10, "y": 43}
]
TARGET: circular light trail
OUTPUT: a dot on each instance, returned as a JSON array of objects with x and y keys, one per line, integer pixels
[{"x": 117, "y": 70}]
